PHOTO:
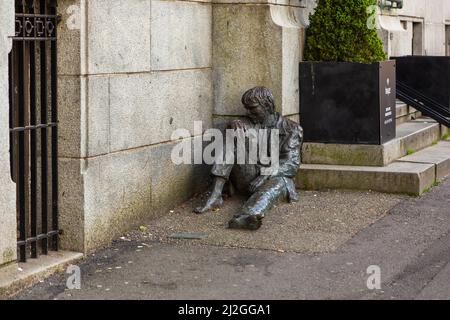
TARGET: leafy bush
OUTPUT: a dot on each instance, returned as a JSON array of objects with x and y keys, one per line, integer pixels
[{"x": 338, "y": 32}]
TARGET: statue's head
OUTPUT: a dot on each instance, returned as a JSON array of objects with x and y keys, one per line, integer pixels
[{"x": 260, "y": 104}]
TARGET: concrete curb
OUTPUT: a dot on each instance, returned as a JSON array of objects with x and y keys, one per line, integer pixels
[{"x": 18, "y": 276}]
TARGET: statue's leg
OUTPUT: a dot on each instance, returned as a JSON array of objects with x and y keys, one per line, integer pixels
[
  {"x": 255, "y": 208},
  {"x": 215, "y": 200},
  {"x": 229, "y": 189},
  {"x": 222, "y": 170}
]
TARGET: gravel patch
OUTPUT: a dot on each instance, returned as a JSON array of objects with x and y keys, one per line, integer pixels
[{"x": 321, "y": 222}]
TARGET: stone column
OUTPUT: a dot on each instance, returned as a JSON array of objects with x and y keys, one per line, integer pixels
[
  {"x": 71, "y": 109},
  {"x": 257, "y": 43},
  {"x": 8, "y": 237}
]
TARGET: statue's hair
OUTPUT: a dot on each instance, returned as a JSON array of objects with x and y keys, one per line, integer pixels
[{"x": 261, "y": 96}]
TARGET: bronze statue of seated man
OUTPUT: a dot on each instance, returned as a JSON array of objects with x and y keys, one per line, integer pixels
[{"x": 264, "y": 190}]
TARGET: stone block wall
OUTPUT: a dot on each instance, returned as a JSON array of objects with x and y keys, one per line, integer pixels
[
  {"x": 135, "y": 70},
  {"x": 256, "y": 43}
]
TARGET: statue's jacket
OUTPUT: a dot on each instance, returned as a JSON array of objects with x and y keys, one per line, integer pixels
[{"x": 291, "y": 139}]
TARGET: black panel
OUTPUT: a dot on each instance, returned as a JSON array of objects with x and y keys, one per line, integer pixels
[
  {"x": 426, "y": 74},
  {"x": 340, "y": 102},
  {"x": 387, "y": 102}
]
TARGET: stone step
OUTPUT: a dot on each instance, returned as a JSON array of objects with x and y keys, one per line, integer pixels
[
  {"x": 413, "y": 174},
  {"x": 438, "y": 155},
  {"x": 444, "y": 131},
  {"x": 401, "y": 109},
  {"x": 405, "y": 113},
  {"x": 398, "y": 177},
  {"x": 411, "y": 136}
]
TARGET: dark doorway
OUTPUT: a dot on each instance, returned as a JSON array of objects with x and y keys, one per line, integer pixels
[
  {"x": 417, "y": 40},
  {"x": 447, "y": 40}
]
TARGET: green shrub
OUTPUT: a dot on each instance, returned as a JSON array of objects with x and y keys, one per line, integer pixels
[
  {"x": 338, "y": 32},
  {"x": 446, "y": 136}
]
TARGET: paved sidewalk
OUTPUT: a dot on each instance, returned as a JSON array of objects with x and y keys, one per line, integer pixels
[{"x": 411, "y": 245}]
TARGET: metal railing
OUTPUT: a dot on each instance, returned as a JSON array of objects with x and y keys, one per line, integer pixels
[
  {"x": 424, "y": 104},
  {"x": 33, "y": 126}
]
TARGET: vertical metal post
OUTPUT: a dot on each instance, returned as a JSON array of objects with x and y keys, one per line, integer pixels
[
  {"x": 12, "y": 108},
  {"x": 54, "y": 119},
  {"x": 44, "y": 165},
  {"x": 21, "y": 154},
  {"x": 33, "y": 156}
]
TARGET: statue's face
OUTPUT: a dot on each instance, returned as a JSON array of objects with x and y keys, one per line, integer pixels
[{"x": 256, "y": 113}]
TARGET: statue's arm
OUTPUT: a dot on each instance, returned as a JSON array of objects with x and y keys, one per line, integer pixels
[{"x": 290, "y": 154}]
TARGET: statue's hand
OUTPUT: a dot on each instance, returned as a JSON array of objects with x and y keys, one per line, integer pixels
[
  {"x": 257, "y": 183},
  {"x": 213, "y": 202},
  {"x": 239, "y": 125}
]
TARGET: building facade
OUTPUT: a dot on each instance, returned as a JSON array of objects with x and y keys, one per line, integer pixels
[
  {"x": 130, "y": 72},
  {"x": 419, "y": 28}
]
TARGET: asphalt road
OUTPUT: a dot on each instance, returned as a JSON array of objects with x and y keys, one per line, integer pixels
[{"x": 410, "y": 246}]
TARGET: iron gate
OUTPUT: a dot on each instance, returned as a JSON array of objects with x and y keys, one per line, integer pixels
[{"x": 33, "y": 126}]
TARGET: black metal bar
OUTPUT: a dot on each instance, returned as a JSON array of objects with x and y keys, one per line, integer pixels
[
  {"x": 425, "y": 99},
  {"x": 421, "y": 96},
  {"x": 28, "y": 15},
  {"x": 54, "y": 129},
  {"x": 427, "y": 109},
  {"x": 44, "y": 164},
  {"x": 38, "y": 238},
  {"x": 38, "y": 126},
  {"x": 33, "y": 155},
  {"x": 20, "y": 6},
  {"x": 34, "y": 38},
  {"x": 21, "y": 155},
  {"x": 12, "y": 108}
]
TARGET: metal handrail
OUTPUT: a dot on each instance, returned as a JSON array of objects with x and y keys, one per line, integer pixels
[
  {"x": 423, "y": 103},
  {"x": 425, "y": 99}
]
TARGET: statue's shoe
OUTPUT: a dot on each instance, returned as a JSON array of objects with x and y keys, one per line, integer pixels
[
  {"x": 249, "y": 222},
  {"x": 210, "y": 205}
]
